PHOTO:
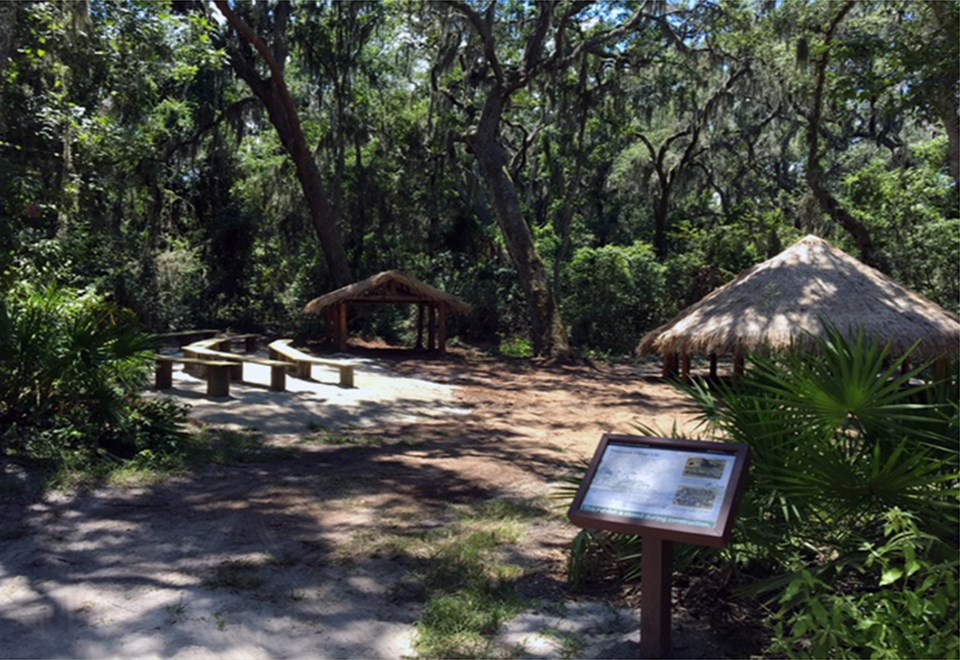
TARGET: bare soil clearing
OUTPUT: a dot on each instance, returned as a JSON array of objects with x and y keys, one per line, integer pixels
[{"x": 284, "y": 557}]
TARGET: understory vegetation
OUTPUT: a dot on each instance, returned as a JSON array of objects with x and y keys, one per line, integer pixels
[
  {"x": 847, "y": 536},
  {"x": 578, "y": 172},
  {"x": 649, "y": 155},
  {"x": 73, "y": 366}
]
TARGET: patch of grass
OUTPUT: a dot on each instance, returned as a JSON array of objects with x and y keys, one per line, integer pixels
[
  {"x": 516, "y": 347},
  {"x": 322, "y": 436},
  {"x": 459, "y": 572},
  {"x": 223, "y": 446},
  {"x": 518, "y": 510},
  {"x": 194, "y": 450},
  {"x": 571, "y": 645},
  {"x": 239, "y": 575},
  {"x": 176, "y": 613},
  {"x": 470, "y": 590}
]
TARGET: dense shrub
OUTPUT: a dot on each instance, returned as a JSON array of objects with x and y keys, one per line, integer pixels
[
  {"x": 613, "y": 294},
  {"x": 71, "y": 367}
]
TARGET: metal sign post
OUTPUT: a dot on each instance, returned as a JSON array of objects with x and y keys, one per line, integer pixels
[{"x": 665, "y": 491}]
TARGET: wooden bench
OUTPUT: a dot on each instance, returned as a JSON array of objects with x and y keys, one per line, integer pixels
[
  {"x": 217, "y": 373},
  {"x": 224, "y": 342},
  {"x": 302, "y": 362},
  {"x": 185, "y": 337},
  {"x": 203, "y": 350}
]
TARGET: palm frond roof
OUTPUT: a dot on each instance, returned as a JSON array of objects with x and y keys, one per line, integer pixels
[
  {"x": 388, "y": 286},
  {"x": 788, "y": 298}
]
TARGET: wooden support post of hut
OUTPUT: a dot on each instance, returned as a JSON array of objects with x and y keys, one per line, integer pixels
[
  {"x": 739, "y": 362},
  {"x": 671, "y": 364},
  {"x": 390, "y": 287}
]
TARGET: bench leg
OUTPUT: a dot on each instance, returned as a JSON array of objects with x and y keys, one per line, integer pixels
[
  {"x": 236, "y": 371},
  {"x": 278, "y": 379},
  {"x": 346, "y": 376},
  {"x": 195, "y": 370},
  {"x": 164, "y": 376},
  {"x": 218, "y": 380},
  {"x": 250, "y": 344},
  {"x": 303, "y": 370}
]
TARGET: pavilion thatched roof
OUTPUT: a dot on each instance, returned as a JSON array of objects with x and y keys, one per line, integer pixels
[
  {"x": 787, "y": 298},
  {"x": 388, "y": 286}
]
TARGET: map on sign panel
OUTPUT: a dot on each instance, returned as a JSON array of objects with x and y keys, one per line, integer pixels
[{"x": 660, "y": 485}]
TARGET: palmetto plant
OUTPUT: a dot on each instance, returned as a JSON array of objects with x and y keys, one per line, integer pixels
[
  {"x": 841, "y": 433},
  {"x": 68, "y": 359},
  {"x": 848, "y": 527}
]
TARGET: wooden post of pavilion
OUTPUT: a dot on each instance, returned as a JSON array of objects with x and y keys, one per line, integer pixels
[
  {"x": 342, "y": 326},
  {"x": 685, "y": 370},
  {"x": 713, "y": 365},
  {"x": 419, "y": 326},
  {"x": 329, "y": 325},
  {"x": 432, "y": 327},
  {"x": 442, "y": 328}
]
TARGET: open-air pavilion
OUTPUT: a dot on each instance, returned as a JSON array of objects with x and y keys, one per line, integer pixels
[
  {"x": 392, "y": 288},
  {"x": 788, "y": 298}
]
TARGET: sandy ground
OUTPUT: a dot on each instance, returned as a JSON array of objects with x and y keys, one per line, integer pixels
[{"x": 272, "y": 559}]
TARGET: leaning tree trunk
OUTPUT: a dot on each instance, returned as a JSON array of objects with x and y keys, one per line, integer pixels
[
  {"x": 282, "y": 110},
  {"x": 548, "y": 333},
  {"x": 322, "y": 217}
]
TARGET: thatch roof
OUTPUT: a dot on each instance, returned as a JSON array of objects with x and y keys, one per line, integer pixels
[
  {"x": 785, "y": 299},
  {"x": 388, "y": 286}
]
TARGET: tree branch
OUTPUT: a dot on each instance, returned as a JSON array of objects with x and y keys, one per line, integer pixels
[{"x": 482, "y": 26}]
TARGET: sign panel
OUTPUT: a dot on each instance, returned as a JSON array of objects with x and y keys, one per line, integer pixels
[{"x": 681, "y": 490}]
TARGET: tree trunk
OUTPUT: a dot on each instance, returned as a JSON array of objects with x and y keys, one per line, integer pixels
[
  {"x": 814, "y": 174},
  {"x": 948, "y": 111},
  {"x": 276, "y": 98},
  {"x": 661, "y": 209},
  {"x": 549, "y": 335},
  {"x": 946, "y": 16},
  {"x": 8, "y": 25}
]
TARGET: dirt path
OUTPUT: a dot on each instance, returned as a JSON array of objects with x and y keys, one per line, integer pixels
[{"x": 279, "y": 558}]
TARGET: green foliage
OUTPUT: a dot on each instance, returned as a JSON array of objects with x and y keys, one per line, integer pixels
[
  {"x": 840, "y": 437},
  {"x": 854, "y": 486},
  {"x": 470, "y": 589},
  {"x": 71, "y": 368},
  {"x": 849, "y": 523},
  {"x": 517, "y": 347},
  {"x": 913, "y": 216},
  {"x": 898, "y": 600},
  {"x": 613, "y": 294}
]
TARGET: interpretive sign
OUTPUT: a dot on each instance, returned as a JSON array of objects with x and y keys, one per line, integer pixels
[
  {"x": 663, "y": 490},
  {"x": 681, "y": 490}
]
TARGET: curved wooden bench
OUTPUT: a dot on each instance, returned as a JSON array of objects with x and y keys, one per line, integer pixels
[
  {"x": 184, "y": 337},
  {"x": 202, "y": 350},
  {"x": 225, "y": 341},
  {"x": 217, "y": 373},
  {"x": 302, "y": 362}
]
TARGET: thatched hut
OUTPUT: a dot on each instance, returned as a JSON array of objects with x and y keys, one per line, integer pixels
[
  {"x": 390, "y": 287},
  {"x": 787, "y": 299}
]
